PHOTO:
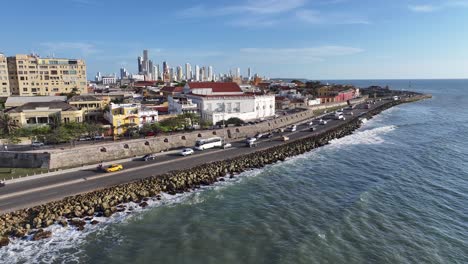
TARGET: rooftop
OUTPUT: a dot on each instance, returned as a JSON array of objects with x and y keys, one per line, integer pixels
[
  {"x": 217, "y": 87},
  {"x": 49, "y": 105},
  {"x": 20, "y": 100},
  {"x": 84, "y": 98}
]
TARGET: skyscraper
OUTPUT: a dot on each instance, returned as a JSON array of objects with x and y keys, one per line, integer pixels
[
  {"x": 145, "y": 61},
  {"x": 238, "y": 74},
  {"x": 188, "y": 71},
  {"x": 197, "y": 73},
  {"x": 249, "y": 74},
  {"x": 210, "y": 73},
  {"x": 180, "y": 73},
  {"x": 157, "y": 73},
  {"x": 123, "y": 73},
  {"x": 140, "y": 65},
  {"x": 150, "y": 70}
]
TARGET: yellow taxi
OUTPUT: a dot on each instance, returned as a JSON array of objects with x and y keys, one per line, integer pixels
[{"x": 114, "y": 168}]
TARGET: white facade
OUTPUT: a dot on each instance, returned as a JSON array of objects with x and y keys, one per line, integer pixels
[
  {"x": 246, "y": 107},
  {"x": 181, "y": 105},
  {"x": 316, "y": 101},
  {"x": 147, "y": 116},
  {"x": 109, "y": 80}
]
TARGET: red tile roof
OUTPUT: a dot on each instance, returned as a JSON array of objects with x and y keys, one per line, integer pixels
[
  {"x": 144, "y": 83},
  {"x": 217, "y": 87},
  {"x": 161, "y": 108},
  {"x": 172, "y": 89}
]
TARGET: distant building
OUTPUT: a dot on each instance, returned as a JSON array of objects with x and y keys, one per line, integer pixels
[
  {"x": 92, "y": 106},
  {"x": 32, "y": 75},
  {"x": 15, "y": 101},
  {"x": 43, "y": 113},
  {"x": 4, "y": 80},
  {"x": 111, "y": 79}
]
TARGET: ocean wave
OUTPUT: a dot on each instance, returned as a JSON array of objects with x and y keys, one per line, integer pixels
[
  {"x": 366, "y": 137},
  {"x": 69, "y": 239}
]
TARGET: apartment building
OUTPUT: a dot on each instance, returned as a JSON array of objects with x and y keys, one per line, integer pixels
[
  {"x": 31, "y": 75},
  {"x": 4, "y": 80}
]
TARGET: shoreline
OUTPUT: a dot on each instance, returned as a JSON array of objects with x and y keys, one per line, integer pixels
[{"x": 79, "y": 210}]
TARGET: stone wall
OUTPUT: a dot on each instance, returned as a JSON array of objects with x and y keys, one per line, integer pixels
[
  {"x": 24, "y": 160},
  {"x": 93, "y": 154}
]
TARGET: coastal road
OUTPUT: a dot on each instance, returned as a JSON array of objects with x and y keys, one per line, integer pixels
[{"x": 33, "y": 192}]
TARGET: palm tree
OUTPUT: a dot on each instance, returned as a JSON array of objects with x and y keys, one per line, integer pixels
[{"x": 7, "y": 124}]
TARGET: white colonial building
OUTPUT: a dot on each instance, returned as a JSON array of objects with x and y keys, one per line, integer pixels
[{"x": 221, "y": 101}]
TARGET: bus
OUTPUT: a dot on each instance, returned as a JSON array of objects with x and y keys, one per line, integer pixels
[{"x": 209, "y": 143}]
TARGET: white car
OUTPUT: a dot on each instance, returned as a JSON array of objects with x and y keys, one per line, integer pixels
[
  {"x": 186, "y": 152},
  {"x": 37, "y": 144},
  {"x": 227, "y": 145},
  {"x": 293, "y": 128},
  {"x": 323, "y": 122},
  {"x": 311, "y": 123}
]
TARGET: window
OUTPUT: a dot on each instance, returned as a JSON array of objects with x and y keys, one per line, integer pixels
[{"x": 53, "y": 72}]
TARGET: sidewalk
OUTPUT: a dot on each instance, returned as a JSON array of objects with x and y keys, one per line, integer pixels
[{"x": 85, "y": 167}]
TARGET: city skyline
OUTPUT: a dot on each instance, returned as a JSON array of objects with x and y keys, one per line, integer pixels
[{"x": 321, "y": 39}]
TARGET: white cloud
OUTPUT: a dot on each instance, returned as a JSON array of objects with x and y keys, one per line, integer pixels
[
  {"x": 315, "y": 17},
  {"x": 429, "y": 8},
  {"x": 253, "y": 7},
  {"x": 297, "y": 55},
  {"x": 70, "y": 47},
  {"x": 422, "y": 8}
]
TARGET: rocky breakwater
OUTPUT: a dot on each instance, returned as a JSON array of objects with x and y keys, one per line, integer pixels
[{"x": 80, "y": 210}]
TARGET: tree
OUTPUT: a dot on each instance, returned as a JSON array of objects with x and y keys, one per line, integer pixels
[
  {"x": 7, "y": 124},
  {"x": 56, "y": 121},
  {"x": 235, "y": 121}
]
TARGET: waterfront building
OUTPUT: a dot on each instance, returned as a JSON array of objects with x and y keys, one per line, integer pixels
[
  {"x": 92, "y": 106},
  {"x": 122, "y": 116},
  {"x": 44, "y": 113},
  {"x": 4, "y": 78},
  {"x": 181, "y": 105},
  {"x": 221, "y": 101},
  {"x": 125, "y": 116},
  {"x": 32, "y": 75}
]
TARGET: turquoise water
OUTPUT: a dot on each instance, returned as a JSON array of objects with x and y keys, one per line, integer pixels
[{"x": 393, "y": 192}]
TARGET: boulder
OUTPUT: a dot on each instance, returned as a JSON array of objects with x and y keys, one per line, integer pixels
[
  {"x": 41, "y": 234},
  {"x": 4, "y": 241}
]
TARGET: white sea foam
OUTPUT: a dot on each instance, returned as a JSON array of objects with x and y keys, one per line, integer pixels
[
  {"x": 69, "y": 239},
  {"x": 365, "y": 137}
]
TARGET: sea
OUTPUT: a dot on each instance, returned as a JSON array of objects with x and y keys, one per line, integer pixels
[{"x": 395, "y": 191}]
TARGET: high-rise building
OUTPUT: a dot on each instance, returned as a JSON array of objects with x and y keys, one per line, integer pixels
[
  {"x": 203, "y": 74},
  {"x": 150, "y": 70},
  {"x": 4, "y": 80},
  {"x": 140, "y": 65},
  {"x": 145, "y": 61},
  {"x": 197, "y": 73},
  {"x": 32, "y": 75},
  {"x": 98, "y": 77},
  {"x": 249, "y": 74},
  {"x": 123, "y": 73},
  {"x": 210, "y": 73},
  {"x": 156, "y": 72},
  {"x": 238, "y": 74},
  {"x": 188, "y": 71},
  {"x": 180, "y": 73}
]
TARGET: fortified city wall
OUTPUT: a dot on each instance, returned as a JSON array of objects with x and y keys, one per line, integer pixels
[{"x": 93, "y": 154}]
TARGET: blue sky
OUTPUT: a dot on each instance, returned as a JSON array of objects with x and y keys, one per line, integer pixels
[{"x": 316, "y": 39}]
